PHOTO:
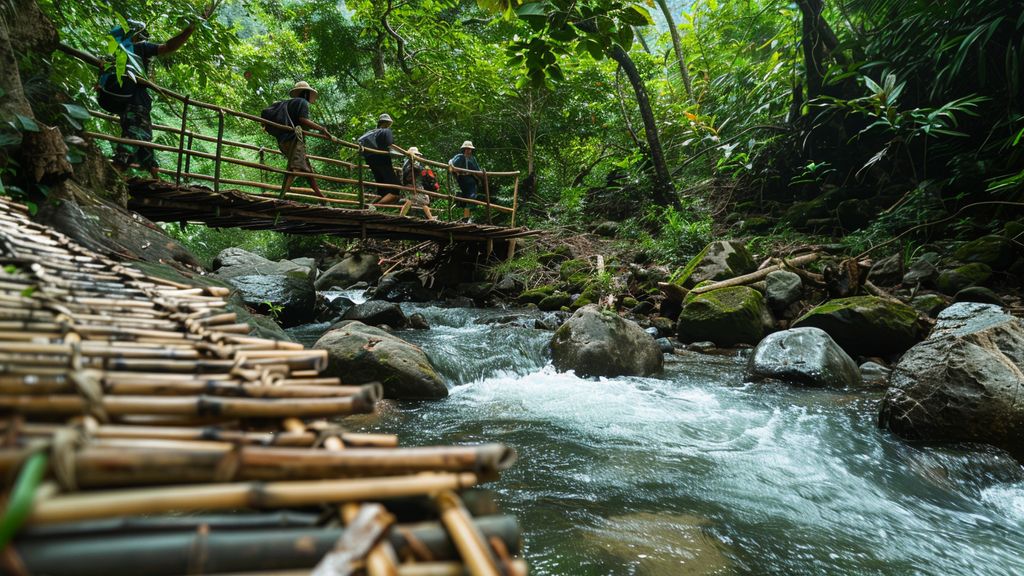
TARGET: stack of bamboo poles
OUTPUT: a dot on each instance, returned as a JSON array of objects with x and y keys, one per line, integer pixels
[{"x": 132, "y": 408}]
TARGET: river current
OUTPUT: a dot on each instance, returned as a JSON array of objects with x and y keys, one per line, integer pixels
[{"x": 697, "y": 472}]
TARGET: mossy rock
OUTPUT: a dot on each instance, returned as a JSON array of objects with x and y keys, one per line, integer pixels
[
  {"x": 929, "y": 304},
  {"x": 952, "y": 281},
  {"x": 535, "y": 295},
  {"x": 559, "y": 254},
  {"x": 756, "y": 225},
  {"x": 799, "y": 213},
  {"x": 690, "y": 295},
  {"x": 556, "y": 301},
  {"x": 1014, "y": 230},
  {"x": 574, "y": 273},
  {"x": 727, "y": 317},
  {"x": 718, "y": 260},
  {"x": 590, "y": 295},
  {"x": 995, "y": 251},
  {"x": 629, "y": 302},
  {"x": 867, "y": 325}
]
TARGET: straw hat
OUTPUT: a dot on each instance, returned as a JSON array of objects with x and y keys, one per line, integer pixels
[
  {"x": 302, "y": 86},
  {"x": 384, "y": 118},
  {"x": 414, "y": 151},
  {"x": 467, "y": 144}
]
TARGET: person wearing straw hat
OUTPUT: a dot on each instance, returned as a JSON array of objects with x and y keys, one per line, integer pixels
[
  {"x": 291, "y": 142},
  {"x": 465, "y": 160},
  {"x": 136, "y": 119},
  {"x": 412, "y": 176},
  {"x": 381, "y": 138}
]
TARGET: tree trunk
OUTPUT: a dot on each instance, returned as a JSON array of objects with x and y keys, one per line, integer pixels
[
  {"x": 816, "y": 35},
  {"x": 677, "y": 46},
  {"x": 664, "y": 195},
  {"x": 378, "y": 57}
]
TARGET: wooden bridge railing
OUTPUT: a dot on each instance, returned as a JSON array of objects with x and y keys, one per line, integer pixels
[{"x": 361, "y": 198}]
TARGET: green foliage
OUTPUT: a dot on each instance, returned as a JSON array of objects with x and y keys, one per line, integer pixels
[{"x": 206, "y": 243}]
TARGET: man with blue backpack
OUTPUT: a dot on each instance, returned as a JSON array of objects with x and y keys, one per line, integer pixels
[{"x": 130, "y": 99}]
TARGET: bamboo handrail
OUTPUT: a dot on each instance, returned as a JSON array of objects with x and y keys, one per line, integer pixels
[{"x": 217, "y": 158}]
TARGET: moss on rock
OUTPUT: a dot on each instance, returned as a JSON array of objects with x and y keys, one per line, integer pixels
[
  {"x": 727, "y": 316},
  {"x": 867, "y": 325},
  {"x": 952, "y": 281},
  {"x": 556, "y": 301},
  {"x": 535, "y": 295},
  {"x": 995, "y": 251}
]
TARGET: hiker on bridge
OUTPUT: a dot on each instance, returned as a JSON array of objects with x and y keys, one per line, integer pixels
[
  {"x": 295, "y": 112},
  {"x": 415, "y": 176},
  {"x": 137, "y": 105},
  {"x": 465, "y": 160},
  {"x": 381, "y": 138}
]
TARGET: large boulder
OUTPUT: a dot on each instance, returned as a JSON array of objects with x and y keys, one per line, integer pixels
[
  {"x": 289, "y": 298},
  {"x": 867, "y": 325},
  {"x": 962, "y": 384},
  {"x": 718, "y": 261},
  {"x": 233, "y": 262},
  {"x": 805, "y": 356},
  {"x": 727, "y": 317},
  {"x": 402, "y": 286},
  {"x": 952, "y": 281},
  {"x": 361, "y": 267},
  {"x": 596, "y": 343},
  {"x": 377, "y": 312},
  {"x": 358, "y": 353},
  {"x": 995, "y": 251},
  {"x": 887, "y": 271}
]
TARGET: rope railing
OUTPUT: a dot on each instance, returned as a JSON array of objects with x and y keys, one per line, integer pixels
[{"x": 360, "y": 199}]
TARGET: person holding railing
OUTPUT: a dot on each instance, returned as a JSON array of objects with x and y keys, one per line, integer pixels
[
  {"x": 465, "y": 160},
  {"x": 414, "y": 176},
  {"x": 381, "y": 138},
  {"x": 136, "y": 120},
  {"x": 291, "y": 142}
]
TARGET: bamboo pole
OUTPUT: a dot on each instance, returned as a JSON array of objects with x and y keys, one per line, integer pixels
[
  {"x": 758, "y": 275},
  {"x": 220, "y": 408},
  {"x": 94, "y": 505},
  {"x": 181, "y": 139},
  {"x": 472, "y": 546}
]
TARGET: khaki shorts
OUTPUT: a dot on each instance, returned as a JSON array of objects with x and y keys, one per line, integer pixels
[
  {"x": 295, "y": 151},
  {"x": 417, "y": 198}
]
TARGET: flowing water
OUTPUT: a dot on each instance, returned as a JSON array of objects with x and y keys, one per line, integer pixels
[{"x": 696, "y": 472}]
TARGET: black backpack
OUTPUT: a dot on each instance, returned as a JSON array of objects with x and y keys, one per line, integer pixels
[
  {"x": 277, "y": 113},
  {"x": 111, "y": 95},
  {"x": 369, "y": 140}
]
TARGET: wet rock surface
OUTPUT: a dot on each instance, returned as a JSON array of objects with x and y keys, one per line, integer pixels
[
  {"x": 596, "y": 343},
  {"x": 806, "y": 356}
]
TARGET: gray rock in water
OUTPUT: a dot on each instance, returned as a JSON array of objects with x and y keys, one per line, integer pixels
[
  {"x": 359, "y": 353},
  {"x": 704, "y": 346},
  {"x": 377, "y": 312},
  {"x": 782, "y": 288},
  {"x": 233, "y": 262},
  {"x": 963, "y": 383},
  {"x": 874, "y": 374},
  {"x": 666, "y": 345},
  {"x": 418, "y": 322},
  {"x": 402, "y": 286},
  {"x": 508, "y": 285},
  {"x": 867, "y": 325},
  {"x": 596, "y": 343},
  {"x": 289, "y": 298},
  {"x": 362, "y": 267},
  {"x": 805, "y": 356},
  {"x": 652, "y": 331}
]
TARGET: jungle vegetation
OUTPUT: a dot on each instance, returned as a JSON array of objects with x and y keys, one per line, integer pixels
[{"x": 853, "y": 118}]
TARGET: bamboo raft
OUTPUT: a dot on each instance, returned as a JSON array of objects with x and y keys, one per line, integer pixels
[{"x": 145, "y": 432}]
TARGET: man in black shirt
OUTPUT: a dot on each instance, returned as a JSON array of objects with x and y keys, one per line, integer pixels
[
  {"x": 292, "y": 144},
  {"x": 381, "y": 138},
  {"x": 136, "y": 120}
]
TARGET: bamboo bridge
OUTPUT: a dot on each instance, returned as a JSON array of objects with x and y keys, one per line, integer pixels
[{"x": 254, "y": 172}]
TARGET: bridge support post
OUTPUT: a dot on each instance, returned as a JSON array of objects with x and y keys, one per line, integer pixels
[
  {"x": 188, "y": 157},
  {"x": 487, "y": 196},
  {"x": 220, "y": 148},
  {"x": 181, "y": 140},
  {"x": 515, "y": 205},
  {"x": 359, "y": 169}
]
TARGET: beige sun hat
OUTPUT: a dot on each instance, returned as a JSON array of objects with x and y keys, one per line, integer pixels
[
  {"x": 302, "y": 86},
  {"x": 414, "y": 151},
  {"x": 467, "y": 144},
  {"x": 384, "y": 118}
]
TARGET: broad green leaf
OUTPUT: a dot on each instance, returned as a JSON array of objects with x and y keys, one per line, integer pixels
[
  {"x": 77, "y": 112},
  {"x": 636, "y": 15},
  {"x": 27, "y": 124},
  {"x": 532, "y": 9}
]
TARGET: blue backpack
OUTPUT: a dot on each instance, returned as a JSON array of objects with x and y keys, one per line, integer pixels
[{"x": 114, "y": 94}]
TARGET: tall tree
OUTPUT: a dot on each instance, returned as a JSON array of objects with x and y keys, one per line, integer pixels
[{"x": 677, "y": 47}]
